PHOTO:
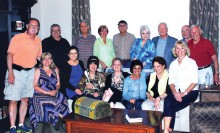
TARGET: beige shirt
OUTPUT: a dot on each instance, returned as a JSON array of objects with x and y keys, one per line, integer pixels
[{"x": 122, "y": 45}]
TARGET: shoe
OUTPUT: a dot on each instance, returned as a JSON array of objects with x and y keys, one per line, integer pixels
[
  {"x": 13, "y": 130},
  {"x": 23, "y": 129}
]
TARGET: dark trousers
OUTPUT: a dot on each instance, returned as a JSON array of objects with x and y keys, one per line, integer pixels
[
  {"x": 171, "y": 105},
  {"x": 136, "y": 105}
]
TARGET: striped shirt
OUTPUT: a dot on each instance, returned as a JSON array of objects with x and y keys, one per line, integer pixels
[{"x": 85, "y": 47}]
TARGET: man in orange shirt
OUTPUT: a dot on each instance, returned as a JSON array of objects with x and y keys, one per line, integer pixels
[{"x": 22, "y": 55}]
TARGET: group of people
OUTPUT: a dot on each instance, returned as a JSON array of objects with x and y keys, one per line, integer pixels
[{"x": 69, "y": 72}]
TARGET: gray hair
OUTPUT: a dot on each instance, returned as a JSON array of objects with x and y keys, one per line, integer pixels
[
  {"x": 193, "y": 26},
  {"x": 83, "y": 21},
  {"x": 144, "y": 27},
  {"x": 163, "y": 23}
]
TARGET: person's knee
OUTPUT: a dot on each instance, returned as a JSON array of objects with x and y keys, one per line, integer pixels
[{"x": 13, "y": 103}]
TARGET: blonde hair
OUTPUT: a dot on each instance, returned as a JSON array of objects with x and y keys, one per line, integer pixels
[
  {"x": 43, "y": 56},
  {"x": 184, "y": 45}
]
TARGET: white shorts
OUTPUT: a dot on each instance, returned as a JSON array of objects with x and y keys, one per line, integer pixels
[{"x": 22, "y": 87}]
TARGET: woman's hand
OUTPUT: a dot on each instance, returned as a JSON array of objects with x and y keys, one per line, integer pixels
[
  {"x": 78, "y": 91},
  {"x": 178, "y": 96},
  {"x": 151, "y": 98},
  {"x": 157, "y": 103},
  {"x": 96, "y": 94},
  {"x": 53, "y": 92},
  {"x": 132, "y": 100},
  {"x": 89, "y": 86}
]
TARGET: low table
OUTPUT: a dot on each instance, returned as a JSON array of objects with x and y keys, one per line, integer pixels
[
  {"x": 209, "y": 94},
  {"x": 115, "y": 123}
]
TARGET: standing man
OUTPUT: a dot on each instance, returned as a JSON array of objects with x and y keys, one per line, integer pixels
[
  {"x": 164, "y": 43},
  {"x": 56, "y": 45},
  {"x": 185, "y": 31},
  {"x": 203, "y": 52},
  {"x": 22, "y": 55},
  {"x": 123, "y": 41},
  {"x": 84, "y": 42}
]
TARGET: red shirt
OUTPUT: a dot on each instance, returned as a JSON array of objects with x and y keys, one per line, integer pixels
[{"x": 202, "y": 52}]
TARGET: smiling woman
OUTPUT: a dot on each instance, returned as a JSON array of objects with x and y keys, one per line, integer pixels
[{"x": 138, "y": 13}]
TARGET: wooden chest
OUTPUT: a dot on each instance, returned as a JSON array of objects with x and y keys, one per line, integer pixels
[{"x": 92, "y": 108}]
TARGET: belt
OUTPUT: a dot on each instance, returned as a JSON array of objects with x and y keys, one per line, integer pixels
[
  {"x": 19, "y": 68},
  {"x": 204, "y": 67}
]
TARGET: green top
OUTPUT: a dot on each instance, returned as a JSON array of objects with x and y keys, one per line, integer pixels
[{"x": 105, "y": 52}]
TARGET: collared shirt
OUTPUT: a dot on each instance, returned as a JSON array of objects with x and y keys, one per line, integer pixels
[
  {"x": 145, "y": 54},
  {"x": 202, "y": 52},
  {"x": 184, "y": 74},
  {"x": 85, "y": 47},
  {"x": 161, "y": 46},
  {"x": 105, "y": 52},
  {"x": 25, "y": 50},
  {"x": 122, "y": 45}
]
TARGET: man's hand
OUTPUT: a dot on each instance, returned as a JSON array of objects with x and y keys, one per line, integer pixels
[
  {"x": 11, "y": 78},
  {"x": 216, "y": 79}
]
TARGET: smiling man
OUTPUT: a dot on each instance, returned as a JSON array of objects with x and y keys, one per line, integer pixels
[
  {"x": 164, "y": 43},
  {"x": 203, "y": 52},
  {"x": 56, "y": 45},
  {"x": 22, "y": 55}
]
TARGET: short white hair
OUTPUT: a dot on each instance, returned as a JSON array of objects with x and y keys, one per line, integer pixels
[{"x": 144, "y": 27}]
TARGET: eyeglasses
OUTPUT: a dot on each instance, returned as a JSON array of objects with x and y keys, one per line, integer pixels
[
  {"x": 122, "y": 26},
  {"x": 34, "y": 26}
]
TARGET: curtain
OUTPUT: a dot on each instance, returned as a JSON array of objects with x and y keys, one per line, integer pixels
[
  {"x": 80, "y": 11},
  {"x": 205, "y": 13}
]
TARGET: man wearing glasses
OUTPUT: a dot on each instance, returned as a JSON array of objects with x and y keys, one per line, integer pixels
[
  {"x": 123, "y": 41},
  {"x": 56, "y": 45},
  {"x": 22, "y": 55}
]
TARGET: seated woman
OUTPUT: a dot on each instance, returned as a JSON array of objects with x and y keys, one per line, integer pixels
[
  {"x": 103, "y": 48},
  {"x": 47, "y": 105},
  {"x": 157, "y": 86},
  {"x": 114, "y": 82},
  {"x": 70, "y": 75},
  {"x": 183, "y": 79},
  {"x": 92, "y": 84},
  {"x": 143, "y": 48},
  {"x": 134, "y": 88}
]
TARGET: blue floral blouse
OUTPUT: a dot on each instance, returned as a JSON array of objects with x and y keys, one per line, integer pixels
[{"x": 145, "y": 54}]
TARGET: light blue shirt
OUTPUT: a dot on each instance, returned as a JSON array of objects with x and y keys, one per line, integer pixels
[
  {"x": 135, "y": 89},
  {"x": 162, "y": 44}
]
